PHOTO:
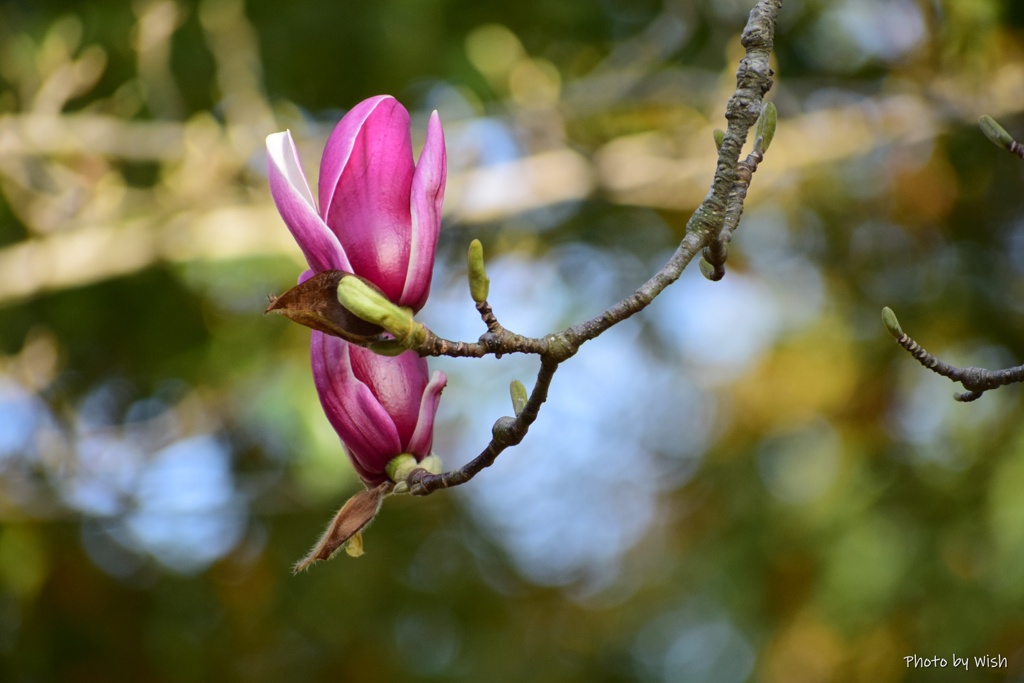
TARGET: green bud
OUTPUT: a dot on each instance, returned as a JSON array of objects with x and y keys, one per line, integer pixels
[
  {"x": 399, "y": 467},
  {"x": 519, "y": 396},
  {"x": 432, "y": 464},
  {"x": 994, "y": 132},
  {"x": 891, "y": 323},
  {"x": 479, "y": 283},
  {"x": 766, "y": 123},
  {"x": 719, "y": 137},
  {"x": 369, "y": 304}
]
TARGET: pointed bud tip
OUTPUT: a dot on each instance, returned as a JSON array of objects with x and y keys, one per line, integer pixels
[
  {"x": 766, "y": 124},
  {"x": 519, "y": 396},
  {"x": 994, "y": 132},
  {"x": 368, "y": 303},
  {"x": 479, "y": 283},
  {"x": 892, "y": 325}
]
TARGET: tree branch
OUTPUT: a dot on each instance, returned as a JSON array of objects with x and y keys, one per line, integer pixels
[
  {"x": 975, "y": 380},
  {"x": 507, "y": 431},
  {"x": 712, "y": 223}
]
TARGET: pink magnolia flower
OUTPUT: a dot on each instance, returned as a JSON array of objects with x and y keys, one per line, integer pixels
[
  {"x": 380, "y": 406},
  {"x": 379, "y": 217},
  {"x": 379, "y": 214}
]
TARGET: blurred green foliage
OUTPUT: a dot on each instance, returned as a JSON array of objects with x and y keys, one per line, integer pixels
[{"x": 750, "y": 481}]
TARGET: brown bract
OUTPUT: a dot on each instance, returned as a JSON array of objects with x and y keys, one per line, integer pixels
[
  {"x": 354, "y": 516},
  {"x": 314, "y": 303}
]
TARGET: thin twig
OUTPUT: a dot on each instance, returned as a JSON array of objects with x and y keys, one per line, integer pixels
[
  {"x": 507, "y": 431},
  {"x": 975, "y": 380},
  {"x": 718, "y": 251}
]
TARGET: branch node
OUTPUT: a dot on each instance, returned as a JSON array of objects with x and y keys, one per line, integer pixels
[{"x": 505, "y": 431}]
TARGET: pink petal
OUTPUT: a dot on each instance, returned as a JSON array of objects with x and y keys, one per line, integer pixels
[
  {"x": 339, "y": 146},
  {"x": 370, "y": 477},
  {"x": 357, "y": 416},
  {"x": 427, "y": 197},
  {"x": 295, "y": 204},
  {"x": 423, "y": 437},
  {"x": 366, "y": 176},
  {"x": 396, "y": 382}
]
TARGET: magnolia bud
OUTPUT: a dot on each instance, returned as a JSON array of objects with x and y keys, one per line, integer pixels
[
  {"x": 402, "y": 466},
  {"x": 431, "y": 464},
  {"x": 994, "y": 132},
  {"x": 519, "y": 396},
  {"x": 892, "y": 325},
  {"x": 766, "y": 123},
  {"x": 479, "y": 283},
  {"x": 367, "y": 302}
]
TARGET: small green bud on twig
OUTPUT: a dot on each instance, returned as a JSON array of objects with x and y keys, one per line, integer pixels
[
  {"x": 519, "y": 396},
  {"x": 369, "y": 304},
  {"x": 766, "y": 124},
  {"x": 719, "y": 137},
  {"x": 994, "y": 132},
  {"x": 399, "y": 467},
  {"x": 432, "y": 464},
  {"x": 892, "y": 325},
  {"x": 479, "y": 283}
]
